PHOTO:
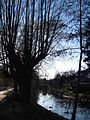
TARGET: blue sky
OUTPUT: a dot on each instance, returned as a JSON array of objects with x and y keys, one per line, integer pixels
[
  {"x": 59, "y": 65},
  {"x": 66, "y": 62}
]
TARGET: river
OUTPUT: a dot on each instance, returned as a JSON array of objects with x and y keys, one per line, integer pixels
[{"x": 63, "y": 107}]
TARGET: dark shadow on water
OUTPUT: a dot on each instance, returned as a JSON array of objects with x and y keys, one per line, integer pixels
[{"x": 63, "y": 106}]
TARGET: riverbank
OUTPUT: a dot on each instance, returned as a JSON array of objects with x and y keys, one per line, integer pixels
[
  {"x": 64, "y": 107},
  {"x": 70, "y": 95},
  {"x": 11, "y": 109}
]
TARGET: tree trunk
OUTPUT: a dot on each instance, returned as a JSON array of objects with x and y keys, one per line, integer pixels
[
  {"x": 22, "y": 74},
  {"x": 12, "y": 62},
  {"x": 25, "y": 78},
  {"x": 15, "y": 84},
  {"x": 79, "y": 71},
  {"x": 77, "y": 90}
]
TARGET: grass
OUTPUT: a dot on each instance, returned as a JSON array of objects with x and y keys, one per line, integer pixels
[{"x": 69, "y": 93}]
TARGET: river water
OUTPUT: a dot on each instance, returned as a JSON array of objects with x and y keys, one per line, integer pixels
[{"x": 63, "y": 107}]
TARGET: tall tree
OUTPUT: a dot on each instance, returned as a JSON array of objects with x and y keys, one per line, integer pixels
[
  {"x": 11, "y": 11},
  {"x": 40, "y": 26},
  {"x": 79, "y": 71}
]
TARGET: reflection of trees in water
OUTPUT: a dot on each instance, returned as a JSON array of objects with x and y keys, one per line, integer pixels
[
  {"x": 37, "y": 85},
  {"x": 63, "y": 106},
  {"x": 35, "y": 95}
]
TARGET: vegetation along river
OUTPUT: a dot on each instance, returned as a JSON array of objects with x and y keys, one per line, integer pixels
[{"x": 63, "y": 107}]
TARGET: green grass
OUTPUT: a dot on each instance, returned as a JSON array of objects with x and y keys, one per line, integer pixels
[{"x": 69, "y": 93}]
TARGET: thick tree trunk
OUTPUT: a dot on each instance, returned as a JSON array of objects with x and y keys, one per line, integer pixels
[
  {"x": 25, "y": 78},
  {"x": 22, "y": 74},
  {"x": 13, "y": 73}
]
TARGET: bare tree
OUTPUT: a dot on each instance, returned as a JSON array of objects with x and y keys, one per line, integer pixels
[
  {"x": 79, "y": 71},
  {"x": 41, "y": 29},
  {"x": 30, "y": 31},
  {"x": 10, "y": 21}
]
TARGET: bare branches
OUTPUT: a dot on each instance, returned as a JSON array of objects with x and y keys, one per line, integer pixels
[
  {"x": 32, "y": 23},
  {"x": 35, "y": 25}
]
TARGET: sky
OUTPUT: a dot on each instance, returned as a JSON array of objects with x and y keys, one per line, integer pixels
[
  {"x": 62, "y": 63},
  {"x": 59, "y": 65},
  {"x": 67, "y": 62}
]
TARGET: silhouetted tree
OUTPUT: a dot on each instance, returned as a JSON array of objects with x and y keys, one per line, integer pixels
[
  {"x": 79, "y": 71},
  {"x": 10, "y": 18},
  {"x": 29, "y": 29}
]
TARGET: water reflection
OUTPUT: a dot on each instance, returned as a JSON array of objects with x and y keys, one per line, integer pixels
[{"x": 63, "y": 107}]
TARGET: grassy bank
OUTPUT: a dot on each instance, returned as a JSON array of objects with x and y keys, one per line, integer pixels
[{"x": 70, "y": 95}]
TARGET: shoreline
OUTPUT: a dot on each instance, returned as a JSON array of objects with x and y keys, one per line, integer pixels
[
  {"x": 11, "y": 109},
  {"x": 82, "y": 99}
]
